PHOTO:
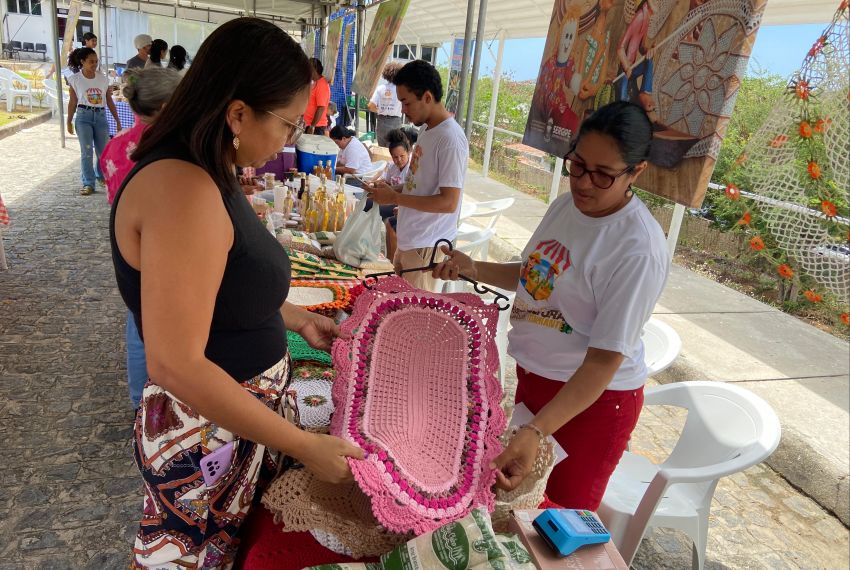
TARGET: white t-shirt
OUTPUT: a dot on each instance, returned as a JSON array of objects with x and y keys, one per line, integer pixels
[
  {"x": 90, "y": 92},
  {"x": 394, "y": 177},
  {"x": 439, "y": 161},
  {"x": 588, "y": 282},
  {"x": 355, "y": 156},
  {"x": 386, "y": 100}
]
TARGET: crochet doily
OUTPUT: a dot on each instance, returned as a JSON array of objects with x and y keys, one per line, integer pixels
[
  {"x": 417, "y": 389},
  {"x": 322, "y": 298},
  {"x": 311, "y": 403},
  {"x": 531, "y": 492},
  {"x": 341, "y": 513},
  {"x": 300, "y": 351}
]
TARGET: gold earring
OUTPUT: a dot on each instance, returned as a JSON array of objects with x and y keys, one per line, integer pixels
[{"x": 236, "y": 142}]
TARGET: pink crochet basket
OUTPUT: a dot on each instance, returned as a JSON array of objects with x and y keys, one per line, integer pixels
[{"x": 417, "y": 389}]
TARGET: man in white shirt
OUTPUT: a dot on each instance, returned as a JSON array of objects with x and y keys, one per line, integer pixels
[{"x": 429, "y": 203}]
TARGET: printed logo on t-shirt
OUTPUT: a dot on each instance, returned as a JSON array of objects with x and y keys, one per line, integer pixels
[
  {"x": 549, "y": 260},
  {"x": 410, "y": 185},
  {"x": 94, "y": 95},
  {"x": 545, "y": 264}
]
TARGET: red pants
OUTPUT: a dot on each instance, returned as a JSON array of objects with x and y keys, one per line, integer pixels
[{"x": 594, "y": 440}]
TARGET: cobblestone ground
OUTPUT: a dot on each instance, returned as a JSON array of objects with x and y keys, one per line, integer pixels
[{"x": 69, "y": 492}]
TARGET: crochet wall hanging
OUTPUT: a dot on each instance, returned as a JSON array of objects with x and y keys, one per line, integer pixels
[
  {"x": 681, "y": 61},
  {"x": 417, "y": 389}
]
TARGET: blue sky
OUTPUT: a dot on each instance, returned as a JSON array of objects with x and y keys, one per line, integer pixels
[{"x": 778, "y": 49}]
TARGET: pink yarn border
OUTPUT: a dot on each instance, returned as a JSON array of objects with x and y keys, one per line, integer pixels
[{"x": 394, "y": 506}]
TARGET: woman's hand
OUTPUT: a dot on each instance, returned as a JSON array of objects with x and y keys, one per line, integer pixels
[
  {"x": 249, "y": 185},
  {"x": 319, "y": 331},
  {"x": 70, "y": 128},
  {"x": 457, "y": 264},
  {"x": 516, "y": 462},
  {"x": 324, "y": 456}
]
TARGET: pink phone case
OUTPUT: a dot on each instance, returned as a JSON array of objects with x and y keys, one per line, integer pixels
[{"x": 216, "y": 464}]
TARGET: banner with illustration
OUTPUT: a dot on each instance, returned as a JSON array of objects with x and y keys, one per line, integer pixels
[
  {"x": 332, "y": 48},
  {"x": 682, "y": 61},
  {"x": 453, "y": 91},
  {"x": 379, "y": 45},
  {"x": 74, "y": 9}
]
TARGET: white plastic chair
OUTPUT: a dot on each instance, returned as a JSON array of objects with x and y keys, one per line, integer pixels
[
  {"x": 492, "y": 209},
  {"x": 661, "y": 346},
  {"x": 728, "y": 429},
  {"x": 377, "y": 168},
  {"x": 16, "y": 87},
  {"x": 50, "y": 90}
]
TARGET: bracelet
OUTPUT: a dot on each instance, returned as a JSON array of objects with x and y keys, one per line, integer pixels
[{"x": 533, "y": 428}]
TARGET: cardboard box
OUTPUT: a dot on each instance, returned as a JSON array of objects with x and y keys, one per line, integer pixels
[{"x": 591, "y": 557}]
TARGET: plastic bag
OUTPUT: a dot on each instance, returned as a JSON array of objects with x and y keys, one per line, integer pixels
[{"x": 359, "y": 241}]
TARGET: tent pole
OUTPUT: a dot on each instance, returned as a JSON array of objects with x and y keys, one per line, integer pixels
[
  {"x": 476, "y": 66},
  {"x": 494, "y": 102},
  {"x": 60, "y": 99},
  {"x": 361, "y": 22},
  {"x": 675, "y": 227},
  {"x": 464, "y": 66},
  {"x": 326, "y": 13},
  {"x": 104, "y": 40},
  {"x": 556, "y": 179}
]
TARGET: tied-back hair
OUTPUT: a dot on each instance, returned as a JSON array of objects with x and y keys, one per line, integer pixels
[
  {"x": 147, "y": 90},
  {"x": 339, "y": 132},
  {"x": 177, "y": 58},
  {"x": 195, "y": 116},
  {"x": 626, "y": 123},
  {"x": 77, "y": 56},
  {"x": 157, "y": 47},
  {"x": 396, "y": 138}
]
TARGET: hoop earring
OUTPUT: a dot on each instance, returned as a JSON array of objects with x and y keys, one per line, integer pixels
[{"x": 235, "y": 142}]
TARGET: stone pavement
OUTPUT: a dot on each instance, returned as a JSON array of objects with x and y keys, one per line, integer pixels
[{"x": 69, "y": 492}]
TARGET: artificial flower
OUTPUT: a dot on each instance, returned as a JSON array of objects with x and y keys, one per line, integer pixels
[
  {"x": 814, "y": 170},
  {"x": 757, "y": 244},
  {"x": 817, "y": 46},
  {"x": 822, "y": 124},
  {"x": 805, "y": 130},
  {"x": 778, "y": 141},
  {"x": 785, "y": 271},
  {"x": 812, "y": 296},
  {"x": 803, "y": 90},
  {"x": 845, "y": 318},
  {"x": 745, "y": 219},
  {"x": 742, "y": 158},
  {"x": 829, "y": 208},
  {"x": 732, "y": 192}
]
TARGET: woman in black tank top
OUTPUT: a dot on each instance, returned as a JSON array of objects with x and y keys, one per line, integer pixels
[{"x": 207, "y": 287}]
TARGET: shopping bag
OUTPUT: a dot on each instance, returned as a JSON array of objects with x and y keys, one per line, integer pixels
[{"x": 359, "y": 241}]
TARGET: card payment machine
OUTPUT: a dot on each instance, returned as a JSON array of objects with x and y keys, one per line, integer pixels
[{"x": 566, "y": 530}]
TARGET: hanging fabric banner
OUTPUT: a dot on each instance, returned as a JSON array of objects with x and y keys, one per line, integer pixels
[
  {"x": 74, "y": 9},
  {"x": 376, "y": 49},
  {"x": 346, "y": 42},
  {"x": 453, "y": 91},
  {"x": 332, "y": 48},
  {"x": 681, "y": 61},
  {"x": 309, "y": 43}
]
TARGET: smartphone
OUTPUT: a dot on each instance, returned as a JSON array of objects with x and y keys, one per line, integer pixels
[{"x": 217, "y": 463}]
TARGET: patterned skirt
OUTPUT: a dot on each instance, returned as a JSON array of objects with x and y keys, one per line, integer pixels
[{"x": 186, "y": 523}]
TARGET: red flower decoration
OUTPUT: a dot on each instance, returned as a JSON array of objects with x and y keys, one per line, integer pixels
[
  {"x": 757, "y": 244},
  {"x": 812, "y": 296},
  {"x": 745, "y": 219},
  {"x": 805, "y": 130},
  {"x": 817, "y": 46},
  {"x": 822, "y": 124},
  {"x": 845, "y": 318},
  {"x": 778, "y": 141},
  {"x": 742, "y": 158},
  {"x": 829, "y": 208},
  {"x": 732, "y": 192},
  {"x": 803, "y": 89},
  {"x": 785, "y": 271},
  {"x": 814, "y": 170}
]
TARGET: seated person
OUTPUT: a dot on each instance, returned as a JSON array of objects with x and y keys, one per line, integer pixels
[
  {"x": 395, "y": 175},
  {"x": 354, "y": 156}
]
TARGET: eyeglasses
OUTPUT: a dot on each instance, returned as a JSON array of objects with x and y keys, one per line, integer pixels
[
  {"x": 297, "y": 128},
  {"x": 601, "y": 180}
]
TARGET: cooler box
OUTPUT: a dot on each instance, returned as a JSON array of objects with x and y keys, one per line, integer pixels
[{"x": 310, "y": 149}]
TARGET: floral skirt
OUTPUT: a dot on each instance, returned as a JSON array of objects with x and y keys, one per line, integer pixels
[{"x": 186, "y": 523}]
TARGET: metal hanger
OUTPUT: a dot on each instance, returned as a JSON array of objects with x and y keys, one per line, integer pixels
[{"x": 370, "y": 279}]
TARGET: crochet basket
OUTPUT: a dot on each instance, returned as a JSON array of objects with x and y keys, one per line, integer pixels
[{"x": 417, "y": 389}]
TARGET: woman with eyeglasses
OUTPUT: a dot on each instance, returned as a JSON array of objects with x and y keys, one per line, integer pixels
[
  {"x": 207, "y": 286},
  {"x": 588, "y": 282}
]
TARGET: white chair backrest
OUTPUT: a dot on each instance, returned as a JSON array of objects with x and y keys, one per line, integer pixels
[
  {"x": 661, "y": 346},
  {"x": 473, "y": 243},
  {"x": 492, "y": 209},
  {"x": 369, "y": 174},
  {"x": 724, "y": 423},
  {"x": 13, "y": 77}
]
